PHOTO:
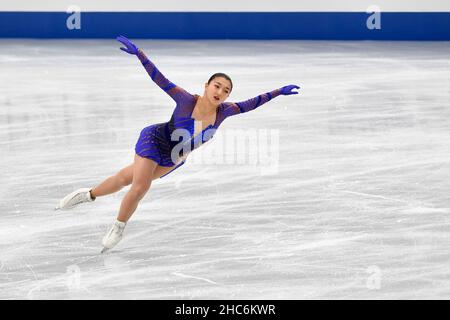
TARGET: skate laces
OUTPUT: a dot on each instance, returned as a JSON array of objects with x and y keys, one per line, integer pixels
[
  {"x": 79, "y": 198},
  {"x": 117, "y": 228}
]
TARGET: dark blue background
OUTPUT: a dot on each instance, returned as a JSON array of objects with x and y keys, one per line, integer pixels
[{"x": 228, "y": 25}]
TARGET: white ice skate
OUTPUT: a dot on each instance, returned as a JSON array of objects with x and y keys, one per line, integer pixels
[
  {"x": 75, "y": 198},
  {"x": 113, "y": 236}
]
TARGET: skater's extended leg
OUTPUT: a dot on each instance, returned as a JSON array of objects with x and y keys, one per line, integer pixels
[
  {"x": 143, "y": 170},
  {"x": 122, "y": 179},
  {"x": 114, "y": 183}
]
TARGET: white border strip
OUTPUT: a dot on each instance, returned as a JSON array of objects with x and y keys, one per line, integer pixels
[{"x": 227, "y": 5}]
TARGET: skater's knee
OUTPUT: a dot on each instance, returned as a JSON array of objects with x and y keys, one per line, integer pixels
[
  {"x": 125, "y": 176},
  {"x": 139, "y": 190},
  {"x": 123, "y": 180}
]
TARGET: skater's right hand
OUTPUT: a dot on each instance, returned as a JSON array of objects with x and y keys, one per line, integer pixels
[
  {"x": 287, "y": 90},
  {"x": 130, "y": 47}
]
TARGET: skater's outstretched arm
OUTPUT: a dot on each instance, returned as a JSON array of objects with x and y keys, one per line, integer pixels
[
  {"x": 232, "y": 108},
  {"x": 174, "y": 91}
]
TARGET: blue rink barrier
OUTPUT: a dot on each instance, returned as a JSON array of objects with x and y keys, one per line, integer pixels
[{"x": 229, "y": 25}]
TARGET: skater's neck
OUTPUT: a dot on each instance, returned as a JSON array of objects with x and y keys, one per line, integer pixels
[{"x": 205, "y": 107}]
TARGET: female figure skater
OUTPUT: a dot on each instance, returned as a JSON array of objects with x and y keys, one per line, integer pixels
[{"x": 159, "y": 150}]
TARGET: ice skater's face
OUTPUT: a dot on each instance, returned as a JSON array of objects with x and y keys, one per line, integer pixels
[{"x": 218, "y": 90}]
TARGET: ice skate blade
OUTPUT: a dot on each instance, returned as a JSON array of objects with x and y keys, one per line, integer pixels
[
  {"x": 104, "y": 250},
  {"x": 65, "y": 208}
]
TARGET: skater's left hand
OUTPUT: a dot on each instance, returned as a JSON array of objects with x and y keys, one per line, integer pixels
[
  {"x": 130, "y": 47},
  {"x": 287, "y": 90}
]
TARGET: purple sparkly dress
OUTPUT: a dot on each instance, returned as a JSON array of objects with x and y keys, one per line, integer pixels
[{"x": 158, "y": 141}]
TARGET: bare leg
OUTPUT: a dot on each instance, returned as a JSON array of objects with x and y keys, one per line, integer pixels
[
  {"x": 143, "y": 170},
  {"x": 122, "y": 179},
  {"x": 114, "y": 183},
  {"x": 160, "y": 171}
]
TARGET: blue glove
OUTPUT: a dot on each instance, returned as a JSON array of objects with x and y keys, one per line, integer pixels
[
  {"x": 287, "y": 90},
  {"x": 130, "y": 47}
]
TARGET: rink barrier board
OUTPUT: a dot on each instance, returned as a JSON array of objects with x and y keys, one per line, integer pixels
[{"x": 229, "y": 25}]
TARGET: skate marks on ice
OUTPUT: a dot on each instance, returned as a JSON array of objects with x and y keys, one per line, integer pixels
[{"x": 359, "y": 207}]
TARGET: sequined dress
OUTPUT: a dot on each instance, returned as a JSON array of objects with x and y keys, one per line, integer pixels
[{"x": 166, "y": 145}]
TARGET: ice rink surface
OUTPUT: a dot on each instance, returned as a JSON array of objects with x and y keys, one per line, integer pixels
[{"x": 357, "y": 206}]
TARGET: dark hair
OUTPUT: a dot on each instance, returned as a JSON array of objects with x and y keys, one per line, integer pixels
[{"x": 223, "y": 75}]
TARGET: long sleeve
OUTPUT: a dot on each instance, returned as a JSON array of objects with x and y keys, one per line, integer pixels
[
  {"x": 174, "y": 91},
  {"x": 232, "y": 108}
]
